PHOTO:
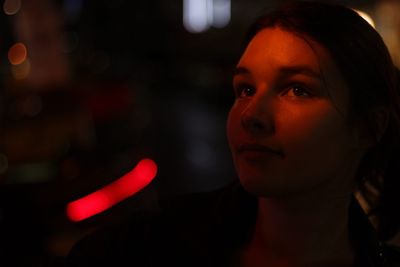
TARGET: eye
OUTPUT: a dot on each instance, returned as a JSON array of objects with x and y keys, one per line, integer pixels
[
  {"x": 298, "y": 91},
  {"x": 244, "y": 90}
]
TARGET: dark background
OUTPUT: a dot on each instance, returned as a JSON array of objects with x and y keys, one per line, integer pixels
[{"x": 105, "y": 84}]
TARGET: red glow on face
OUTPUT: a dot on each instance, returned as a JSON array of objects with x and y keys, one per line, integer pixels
[{"x": 124, "y": 187}]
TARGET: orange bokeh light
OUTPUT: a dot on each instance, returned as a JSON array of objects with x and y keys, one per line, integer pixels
[{"x": 17, "y": 54}]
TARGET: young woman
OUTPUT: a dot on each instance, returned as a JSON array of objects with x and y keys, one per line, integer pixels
[
  {"x": 316, "y": 99},
  {"x": 315, "y": 121}
]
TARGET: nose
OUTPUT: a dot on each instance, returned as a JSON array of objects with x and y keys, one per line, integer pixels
[{"x": 257, "y": 118}]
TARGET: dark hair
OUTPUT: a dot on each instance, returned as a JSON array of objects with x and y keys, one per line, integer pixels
[{"x": 365, "y": 63}]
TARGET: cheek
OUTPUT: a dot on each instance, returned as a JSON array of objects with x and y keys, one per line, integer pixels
[
  {"x": 320, "y": 139},
  {"x": 322, "y": 127},
  {"x": 233, "y": 123}
]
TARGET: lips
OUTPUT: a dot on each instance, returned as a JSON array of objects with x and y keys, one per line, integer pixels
[{"x": 257, "y": 150}]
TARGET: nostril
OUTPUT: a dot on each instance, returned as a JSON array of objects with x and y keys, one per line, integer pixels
[
  {"x": 252, "y": 124},
  {"x": 258, "y": 125}
]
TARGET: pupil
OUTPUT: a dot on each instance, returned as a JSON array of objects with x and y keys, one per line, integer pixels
[{"x": 297, "y": 91}]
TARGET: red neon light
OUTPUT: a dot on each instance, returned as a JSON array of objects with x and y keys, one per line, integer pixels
[{"x": 111, "y": 194}]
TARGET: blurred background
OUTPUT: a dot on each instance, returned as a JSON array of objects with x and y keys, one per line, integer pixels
[{"x": 88, "y": 88}]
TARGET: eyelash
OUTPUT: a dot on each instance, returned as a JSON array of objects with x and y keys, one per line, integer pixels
[
  {"x": 241, "y": 93},
  {"x": 240, "y": 89},
  {"x": 302, "y": 88}
]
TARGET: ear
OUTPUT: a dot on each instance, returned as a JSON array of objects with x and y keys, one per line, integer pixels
[{"x": 369, "y": 133}]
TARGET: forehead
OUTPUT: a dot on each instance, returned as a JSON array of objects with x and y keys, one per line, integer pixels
[{"x": 274, "y": 47}]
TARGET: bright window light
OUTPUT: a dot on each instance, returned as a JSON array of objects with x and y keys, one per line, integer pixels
[
  {"x": 195, "y": 15},
  {"x": 199, "y": 15},
  {"x": 222, "y": 13}
]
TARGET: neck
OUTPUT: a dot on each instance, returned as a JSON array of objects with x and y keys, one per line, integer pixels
[{"x": 302, "y": 231}]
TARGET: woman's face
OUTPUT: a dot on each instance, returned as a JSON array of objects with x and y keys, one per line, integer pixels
[{"x": 287, "y": 128}]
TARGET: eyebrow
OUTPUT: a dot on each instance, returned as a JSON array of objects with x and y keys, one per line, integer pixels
[{"x": 286, "y": 71}]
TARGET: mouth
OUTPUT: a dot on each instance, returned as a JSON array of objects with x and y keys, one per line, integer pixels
[{"x": 257, "y": 150}]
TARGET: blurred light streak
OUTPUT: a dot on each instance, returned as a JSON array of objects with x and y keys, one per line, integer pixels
[
  {"x": 108, "y": 196},
  {"x": 221, "y": 13},
  {"x": 17, "y": 53},
  {"x": 195, "y": 15},
  {"x": 11, "y": 7},
  {"x": 21, "y": 71},
  {"x": 366, "y": 17}
]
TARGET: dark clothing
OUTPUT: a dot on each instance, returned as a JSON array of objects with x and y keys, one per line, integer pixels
[{"x": 204, "y": 229}]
